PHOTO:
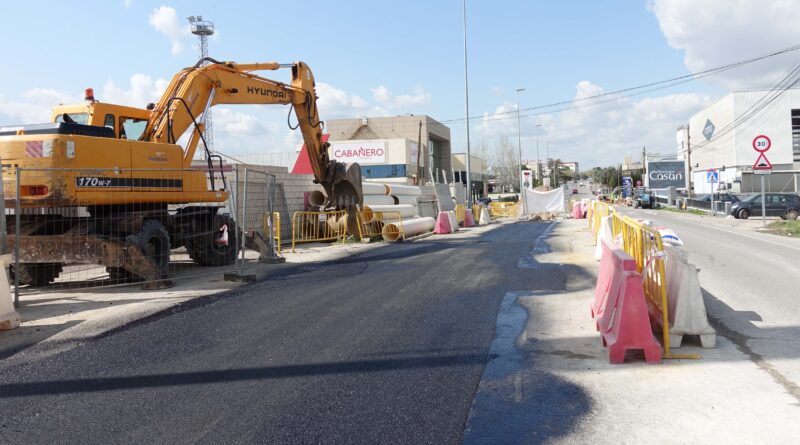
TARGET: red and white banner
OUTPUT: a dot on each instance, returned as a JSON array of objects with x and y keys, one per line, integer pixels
[{"x": 366, "y": 152}]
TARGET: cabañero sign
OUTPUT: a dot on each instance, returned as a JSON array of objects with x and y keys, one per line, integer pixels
[
  {"x": 367, "y": 152},
  {"x": 663, "y": 174}
]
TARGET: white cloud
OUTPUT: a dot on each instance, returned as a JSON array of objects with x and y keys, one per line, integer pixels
[
  {"x": 717, "y": 32},
  {"x": 335, "y": 103},
  {"x": 601, "y": 133},
  {"x": 383, "y": 96},
  {"x": 35, "y": 106},
  {"x": 143, "y": 90},
  {"x": 165, "y": 20}
]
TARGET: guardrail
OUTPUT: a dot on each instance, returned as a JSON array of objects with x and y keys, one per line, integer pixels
[{"x": 318, "y": 226}]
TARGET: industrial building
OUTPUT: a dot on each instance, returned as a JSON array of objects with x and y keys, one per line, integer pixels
[
  {"x": 479, "y": 170},
  {"x": 721, "y": 137},
  {"x": 387, "y": 148}
]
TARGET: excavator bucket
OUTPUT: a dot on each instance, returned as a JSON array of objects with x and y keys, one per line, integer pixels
[{"x": 345, "y": 192}]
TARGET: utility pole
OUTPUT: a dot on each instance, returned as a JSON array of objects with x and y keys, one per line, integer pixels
[
  {"x": 419, "y": 150},
  {"x": 689, "y": 161},
  {"x": 644, "y": 162},
  {"x": 522, "y": 191}
]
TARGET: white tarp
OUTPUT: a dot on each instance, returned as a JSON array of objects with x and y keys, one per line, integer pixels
[{"x": 539, "y": 202}]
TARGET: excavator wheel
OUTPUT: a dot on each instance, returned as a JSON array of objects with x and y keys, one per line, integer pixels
[
  {"x": 37, "y": 274},
  {"x": 219, "y": 247},
  {"x": 153, "y": 241}
]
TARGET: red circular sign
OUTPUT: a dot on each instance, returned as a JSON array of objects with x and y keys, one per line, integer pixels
[{"x": 761, "y": 143}]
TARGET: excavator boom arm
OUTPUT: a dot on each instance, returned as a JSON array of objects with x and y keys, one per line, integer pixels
[{"x": 194, "y": 90}]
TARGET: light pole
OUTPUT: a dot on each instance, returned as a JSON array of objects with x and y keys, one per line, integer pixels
[
  {"x": 538, "y": 161},
  {"x": 547, "y": 159},
  {"x": 519, "y": 146},
  {"x": 466, "y": 105}
]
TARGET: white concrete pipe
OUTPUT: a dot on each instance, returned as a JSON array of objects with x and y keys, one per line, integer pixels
[
  {"x": 404, "y": 199},
  {"x": 378, "y": 200},
  {"x": 316, "y": 198},
  {"x": 374, "y": 188},
  {"x": 411, "y": 227},
  {"x": 406, "y": 190},
  {"x": 406, "y": 211}
]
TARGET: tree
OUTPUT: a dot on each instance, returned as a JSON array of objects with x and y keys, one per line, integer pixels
[{"x": 505, "y": 163}]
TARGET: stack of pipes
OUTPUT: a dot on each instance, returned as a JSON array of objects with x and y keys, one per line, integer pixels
[{"x": 402, "y": 199}]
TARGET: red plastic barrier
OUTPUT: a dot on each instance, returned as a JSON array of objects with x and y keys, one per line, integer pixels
[
  {"x": 623, "y": 318},
  {"x": 577, "y": 211},
  {"x": 442, "y": 224},
  {"x": 609, "y": 263},
  {"x": 469, "y": 221}
]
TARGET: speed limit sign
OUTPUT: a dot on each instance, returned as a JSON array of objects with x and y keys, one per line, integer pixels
[{"x": 761, "y": 143}]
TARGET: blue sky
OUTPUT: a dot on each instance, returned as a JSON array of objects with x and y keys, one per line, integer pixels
[{"x": 386, "y": 58}]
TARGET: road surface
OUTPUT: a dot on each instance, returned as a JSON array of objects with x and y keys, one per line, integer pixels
[{"x": 384, "y": 348}]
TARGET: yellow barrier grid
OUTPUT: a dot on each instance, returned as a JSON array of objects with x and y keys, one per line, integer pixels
[
  {"x": 476, "y": 213},
  {"x": 276, "y": 229},
  {"x": 500, "y": 209},
  {"x": 461, "y": 211},
  {"x": 388, "y": 225},
  {"x": 644, "y": 244},
  {"x": 318, "y": 226}
]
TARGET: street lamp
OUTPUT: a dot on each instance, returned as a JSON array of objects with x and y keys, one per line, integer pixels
[
  {"x": 466, "y": 106},
  {"x": 519, "y": 146},
  {"x": 538, "y": 161}
]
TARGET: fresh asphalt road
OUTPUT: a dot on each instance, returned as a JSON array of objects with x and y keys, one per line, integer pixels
[
  {"x": 751, "y": 285},
  {"x": 388, "y": 347}
]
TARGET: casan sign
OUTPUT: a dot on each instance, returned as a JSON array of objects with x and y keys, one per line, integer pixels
[
  {"x": 663, "y": 174},
  {"x": 367, "y": 152}
]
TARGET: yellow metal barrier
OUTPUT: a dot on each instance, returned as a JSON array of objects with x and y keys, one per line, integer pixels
[
  {"x": 276, "y": 228},
  {"x": 644, "y": 244},
  {"x": 500, "y": 209},
  {"x": 476, "y": 213},
  {"x": 318, "y": 226},
  {"x": 590, "y": 214},
  {"x": 388, "y": 225},
  {"x": 461, "y": 211},
  {"x": 616, "y": 224}
]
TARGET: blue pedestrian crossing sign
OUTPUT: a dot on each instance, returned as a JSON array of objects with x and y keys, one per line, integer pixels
[{"x": 712, "y": 176}]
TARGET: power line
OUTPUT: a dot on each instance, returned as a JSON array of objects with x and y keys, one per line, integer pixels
[{"x": 678, "y": 80}]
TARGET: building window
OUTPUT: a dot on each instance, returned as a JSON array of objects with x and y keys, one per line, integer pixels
[
  {"x": 383, "y": 171},
  {"x": 796, "y": 135}
]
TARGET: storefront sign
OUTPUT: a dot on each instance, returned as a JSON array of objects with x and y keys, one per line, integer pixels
[
  {"x": 663, "y": 174},
  {"x": 366, "y": 152}
]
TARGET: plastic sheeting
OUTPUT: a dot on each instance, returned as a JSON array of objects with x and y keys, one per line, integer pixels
[{"x": 540, "y": 202}]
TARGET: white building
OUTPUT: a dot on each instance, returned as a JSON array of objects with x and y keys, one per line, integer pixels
[{"x": 721, "y": 137}]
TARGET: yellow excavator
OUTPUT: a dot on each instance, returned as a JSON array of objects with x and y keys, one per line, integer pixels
[{"x": 123, "y": 166}]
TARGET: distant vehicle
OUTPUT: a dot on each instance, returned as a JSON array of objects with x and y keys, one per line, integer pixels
[
  {"x": 643, "y": 200},
  {"x": 722, "y": 197},
  {"x": 784, "y": 205},
  {"x": 485, "y": 200},
  {"x": 574, "y": 191}
]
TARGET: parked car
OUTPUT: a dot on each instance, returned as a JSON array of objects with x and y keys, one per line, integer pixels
[
  {"x": 721, "y": 197},
  {"x": 485, "y": 200},
  {"x": 785, "y": 205}
]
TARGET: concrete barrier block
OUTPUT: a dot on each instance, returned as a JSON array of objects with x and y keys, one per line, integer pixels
[
  {"x": 604, "y": 233},
  {"x": 9, "y": 318},
  {"x": 687, "y": 310}
]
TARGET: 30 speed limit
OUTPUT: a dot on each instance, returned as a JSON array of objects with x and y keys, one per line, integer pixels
[{"x": 761, "y": 143}]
